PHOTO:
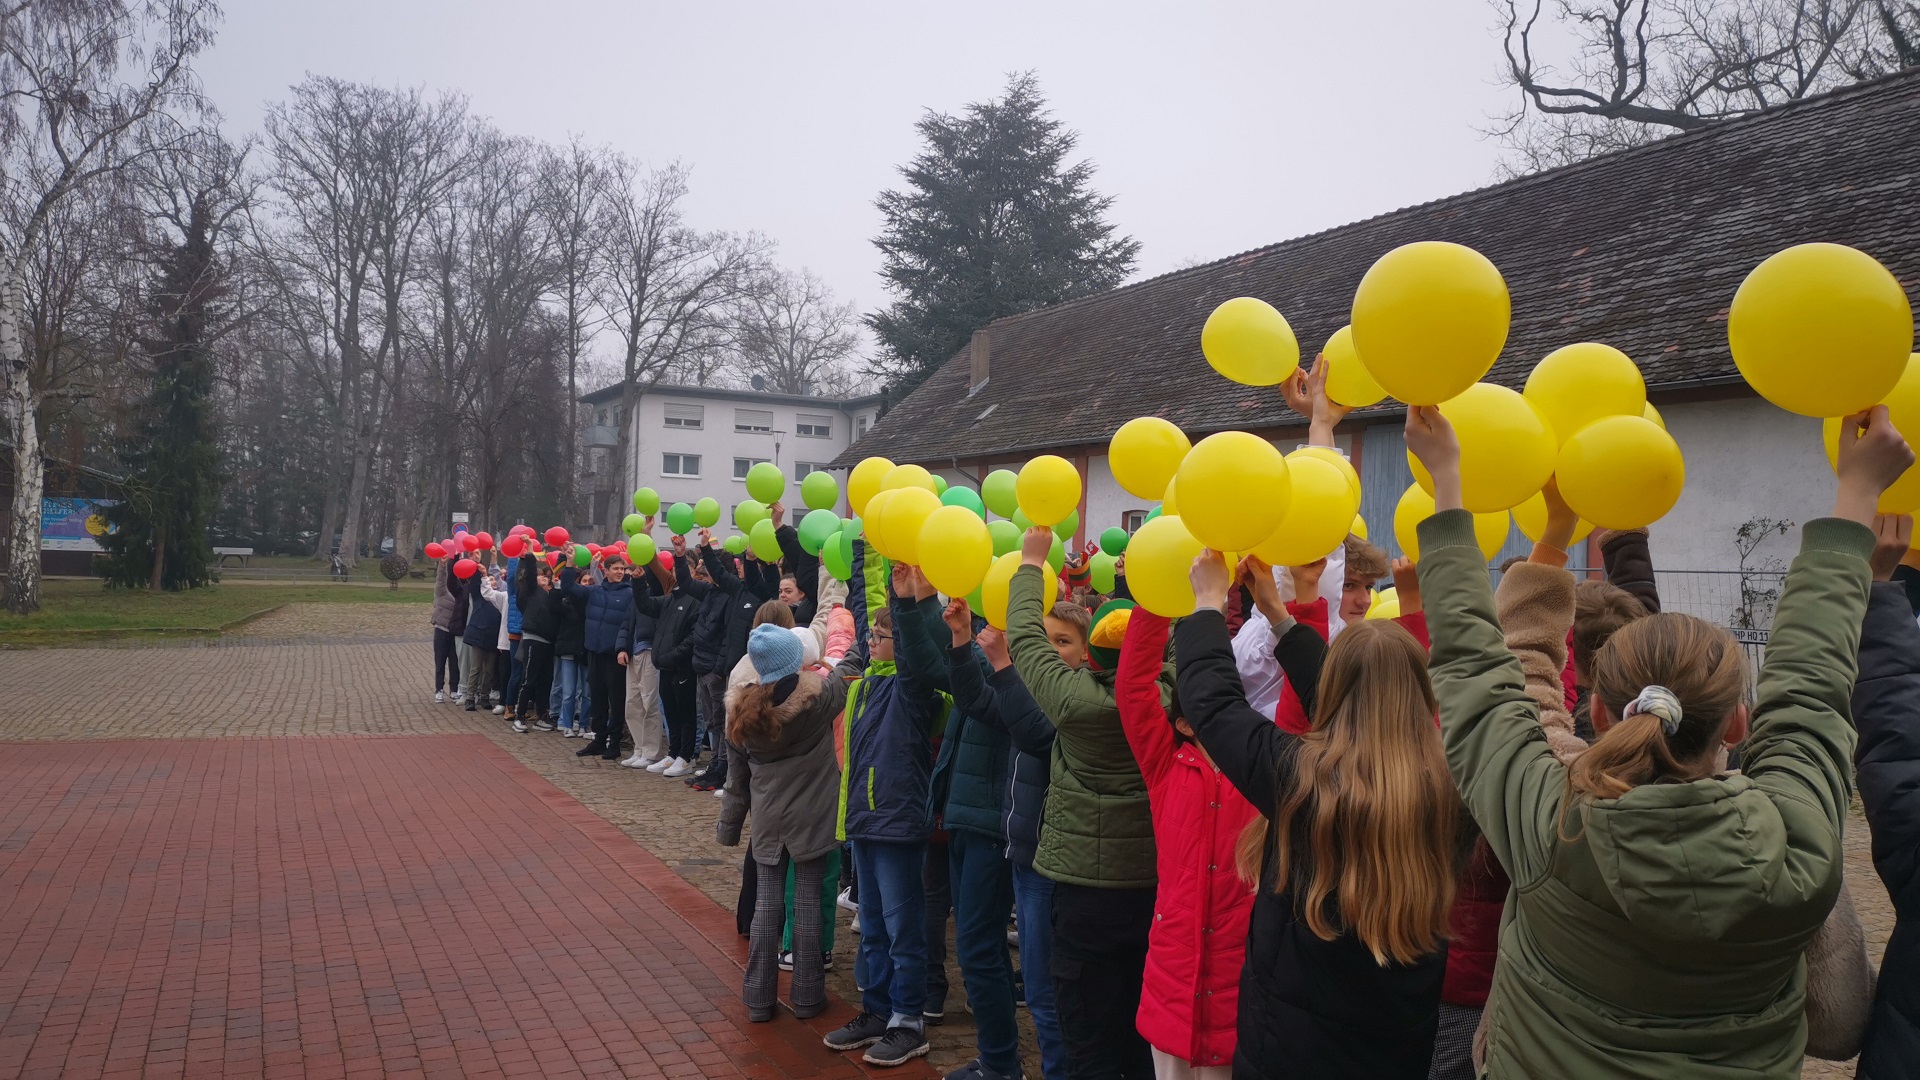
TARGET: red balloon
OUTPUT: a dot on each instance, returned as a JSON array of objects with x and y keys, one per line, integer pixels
[
  {"x": 486, "y": 541},
  {"x": 512, "y": 546},
  {"x": 553, "y": 558},
  {"x": 556, "y": 536},
  {"x": 520, "y": 530},
  {"x": 595, "y": 548},
  {"x": 465, "y": 568},
  {"x": 469, "y": 541},
  {"x": 619, "y": 545},
  {"x": 435, "y": 551},
  {"x": 666, "y": 560}
]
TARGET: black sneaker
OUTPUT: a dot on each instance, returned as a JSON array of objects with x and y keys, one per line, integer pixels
[
  {"x": 590, "y": 749},
  {"x": 897, "y": 1047},
  {"x": 863, "y": 1030},
  {"x": 934, "y": 1017}
]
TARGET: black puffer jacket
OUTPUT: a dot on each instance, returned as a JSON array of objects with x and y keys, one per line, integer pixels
[
  {"x": 483, "y": 619},
  {"x": 539, "y": 608},
  {"x": 1886, "y": 710},
  {"x": 1000, "y": 701},
  {"x": 743, "y": 597},
  {"x": 570, "y": 624},
  {"x": 675, "y": 615},
  {"x": 710, "y": 634}
]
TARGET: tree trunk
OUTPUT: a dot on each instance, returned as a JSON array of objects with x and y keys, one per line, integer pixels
[
  {"x": 159, "y": 560},
  {"x": 23, "y": 554},
  {"x": 356, "y": 500}
]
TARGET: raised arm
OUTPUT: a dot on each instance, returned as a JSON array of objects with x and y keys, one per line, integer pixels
[
  {"x": 1248, "y": 747},
  {"x": 1535, "y": 607},
  {"x": 1136, "y": 691},
  {"x": 1629, "y": 565},
  {"x": 1068, "y": 696}
]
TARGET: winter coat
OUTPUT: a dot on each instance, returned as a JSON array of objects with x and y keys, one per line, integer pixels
[
  {"x": 445, "y": 601},
  {"x": 1300, "y": 658},
  {"x": 743, "y": 598},
  {"x": 970, "y": 771},
  {"x": 514, "y": 614},
  {"x": 1622, "y": 952},
  {"x": 1886, "y": 708},
  {"x": 457, "y": 589},
  {"x": 710, "y": 632},
  {"x": 789, "y": 780},
  {"x": 813, "y": 643},
  {"x": 1308, "y": 1007},
  {"x": 1191, "y": 989},
  {"x": 676, "y": 613},
  {"x": 484, "y": 624},
  {"x": 498, "y": 598},
  {"x": 891, "y": 716},
  {"x": 805, "y": 569},
  {"x": 1098, "y": 829},
  {"x": 606, "y": 606},
  {"x": 570, "y": 626},
  {"x": 999, "y": 700},
  {"x": 539, "y": 608}
]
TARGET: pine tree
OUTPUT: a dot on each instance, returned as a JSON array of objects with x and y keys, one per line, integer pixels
[{"x": 994, "y": 222}]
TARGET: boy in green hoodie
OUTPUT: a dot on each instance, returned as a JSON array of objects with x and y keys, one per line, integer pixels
[{"x": 1096, "y": 837}]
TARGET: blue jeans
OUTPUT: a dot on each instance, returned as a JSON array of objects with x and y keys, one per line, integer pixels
[
  {"x": 892, "y": 967},
  {"x": 982, "y": 900},
  {"x": 1033, "y": 903},
  {"x": 569, "y": 682}
]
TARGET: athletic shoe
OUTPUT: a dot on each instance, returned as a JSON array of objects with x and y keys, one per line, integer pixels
[
  {"x": 934, "y": 1017},
  {"x": 592, "y": 748},
  {"x": 1013, "y": 933},
  {"x": 520, "y": 727},
  {"x": 660, "y": 765},
  {"x": 542, "y": 725},
  {"x": 499, "y": 710},
  {"x": 719, "y": 793},
  {"x": 635, "y": 762},
  {"x": 897, "y": 1047},
  {"x": 863, "y": 1030},
  {"x": 471, "y": 707},
  {"x": 826, "y": 961},
  {"x": 704, "y": 784},
  {"x": 976, "y": 1070},
  {"x": 461, "y": 699},
  {"x": 846, "y": 901},
  {"x": 678, "y": 768},
  {"x": 640, "y": 762},
  {"x": 786, "y": 961},
  {"x": 439, "y": 697}
]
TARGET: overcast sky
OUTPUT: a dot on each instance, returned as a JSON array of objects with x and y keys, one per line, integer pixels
[{"x": 1217, "y": 126}]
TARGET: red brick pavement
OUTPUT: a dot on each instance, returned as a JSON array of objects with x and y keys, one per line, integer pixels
[{"x": 354, "y": 906}]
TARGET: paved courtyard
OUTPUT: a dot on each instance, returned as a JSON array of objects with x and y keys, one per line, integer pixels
[{"x": 273, "y": 854}]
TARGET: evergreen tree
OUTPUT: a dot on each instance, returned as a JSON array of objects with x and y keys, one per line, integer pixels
[{"x": 994, "y": 222}]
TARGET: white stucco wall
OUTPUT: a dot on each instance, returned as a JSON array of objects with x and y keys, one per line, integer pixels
[{"x": 1745, "y": 459}]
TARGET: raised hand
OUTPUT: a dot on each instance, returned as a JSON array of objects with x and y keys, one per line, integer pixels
[
  {"x": 1265, "y": 590},
  {"x": 902, "y": 579},
  {"x": 1406, "y": 585},
  {"x": 993, "y": 644},
  {"x": 1432, "y": 440},
  {"x": 1035, "y": 545},
  {"x": 1893, "y": 537},
  {"x": 1873, "y": 454},
  {"x": 959, "y": 619},
  {"x": 1210, "y": 577},
  {"x": 1561, "y": 520}
]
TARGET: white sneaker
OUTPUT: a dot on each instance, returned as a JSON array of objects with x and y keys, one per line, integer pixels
[
  {"x": 660, "y": 766},
  {"x": 845, "y": 901},
  {"x": 520, "y": 727},
  {"x": 680, "y": 767},
  {"x": 635, "y": 762},
  {"x": 499, "y": 710},
  {"x": 720, "y": 793},
  {"x": 542, "y": 725},
  {"x": 439, "y": 697},
  {"x": 461, "y": 699}
]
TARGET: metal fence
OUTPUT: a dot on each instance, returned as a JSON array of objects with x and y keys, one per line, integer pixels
[{"x": 1740, "y": 600}]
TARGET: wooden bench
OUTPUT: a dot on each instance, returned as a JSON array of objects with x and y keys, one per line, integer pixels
[{"x": 244, "y": 555}]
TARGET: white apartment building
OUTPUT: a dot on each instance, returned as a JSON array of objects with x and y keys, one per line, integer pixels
[{"x": 693, "y": 442}]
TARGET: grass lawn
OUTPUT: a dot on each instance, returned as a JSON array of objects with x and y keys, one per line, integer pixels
[{"x": 71, "y": 611}]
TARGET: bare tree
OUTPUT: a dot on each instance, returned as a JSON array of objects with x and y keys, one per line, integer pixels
[
  {"x": 1632, "y": 71},
  {"x": 78, "y": 78},
  {"x": 790, "y": 331},
  {"x": 576, "y": 184}
]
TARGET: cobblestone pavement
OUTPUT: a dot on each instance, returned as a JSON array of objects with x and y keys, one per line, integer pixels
[{"x": 330, "y": 680}]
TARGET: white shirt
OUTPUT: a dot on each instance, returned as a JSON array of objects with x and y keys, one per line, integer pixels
[{"x": 1253, "y": 645}]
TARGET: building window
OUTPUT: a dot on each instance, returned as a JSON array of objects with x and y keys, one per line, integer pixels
[
  {"x": 813, "y": 426},
  {"x": 601, "y": 418},
  {"x": 802, "y": 468},
  {"x": 860, "y": 424},
  {"x": 742, "y": 465},
  {"x": 1133, "y": 519},
  {"x": 679, "y": 464},
  {"x": 686, "y": 416},
  {"x": 753, "y": 420}
]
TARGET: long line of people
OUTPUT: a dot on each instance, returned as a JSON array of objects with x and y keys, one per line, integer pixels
[{"x": 1500, "y": 835}]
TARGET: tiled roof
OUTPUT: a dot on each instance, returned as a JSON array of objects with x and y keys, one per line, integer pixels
[{"x": 1641, "y": 249}]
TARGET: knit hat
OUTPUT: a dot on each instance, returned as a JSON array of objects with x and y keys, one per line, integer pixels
[
  {"x": 775, "y": 652},
  {"x": 1108, "y": 631}
]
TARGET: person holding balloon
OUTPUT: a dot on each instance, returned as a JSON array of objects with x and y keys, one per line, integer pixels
[
  {"x": 482, "y": 635},
  {"x": 539, "y": 627},
  {"x": 494, "y": 591},
  {"x": 606, "y": 607},
  {"x": 674, "y": 612},
  {"x": 1611, "y": 962},
  {"x": 446, "y": 605}
]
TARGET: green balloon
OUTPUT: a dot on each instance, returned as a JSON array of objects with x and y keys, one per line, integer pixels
[
  {"x": 734, "y": 544},
  {"x": 816, "y": 528},
  {"x": 1020, "y": 519},
  {"x": 646, "y": 501},
  {"x": 1006, "y": 537},
  {"x": 1065, "y": 529},
  {"x": 1152, "y": 514},
  {"x": 967, "y": 497},
  {"x": 1114, "y": 542},
  {"x": 820, "y": 491},
  {"x": 748, "y": 514},
  {"x": 997, "y": 490},
  {"x": 761, "y": 539},
  {"x": 766, "y": 483},
  {"x": 680, "y": 519},
  {"x": 582, "y": 558},
  {"x": 835, "y": 558},
  {"x": 939, "y": 484},
  {"x": 633, "y": 524},
  {"x": 849, "y": 532},
  {"x": 706, "y": 513},
  {"x": 640, "y": 550},
  {"x": 1057, "y": 555},
  {"x": 1101, "y": 569}
]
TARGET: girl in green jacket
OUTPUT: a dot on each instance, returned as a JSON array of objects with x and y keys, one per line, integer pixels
[{"x": 1660, "y": 910}]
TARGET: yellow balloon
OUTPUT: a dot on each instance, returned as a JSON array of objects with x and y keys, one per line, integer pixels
[
  {"x": 1416, "y": 506},
  {"x": 1903, "y": 408},
  {"x": 1249, "y": 342},
  {"x": 905, "y": 476},
  {"x": 1334, "y": 458},
  {"x": 874, "y": 521},
  {"x": 1385, "y": 605},
  {"x": 1159, "y": 560},
  {"x": 1233, "y": 491},
  {"x": 1506, "y": 449},
  {"x": 1622, "y": 472},
  {"x": 1169, "y": 506},
  {"x": 1576, "y": 385},
  {"x": 1359, "y": 528},
  {"x": 1531, "y": 517},
  {"x": 1319, "y": 515},
  {"x": 863, "y": 481},
  {"x": 1429, "y": 319},
  {"x": 955, "y": 550},
  {"x": 996, "y": 584},
  {"x": 1348, "y": 381},
  {"x": 1821, "y": 330},
  {"x": 1048, "y": 489},
  {"x": 1653, "y": 415},
  {"x": 1144, "y": 455},
  {"x": 907, "y": 510}
]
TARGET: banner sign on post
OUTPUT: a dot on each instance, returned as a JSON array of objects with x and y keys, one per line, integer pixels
[{"x": 73, "y": 524}]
